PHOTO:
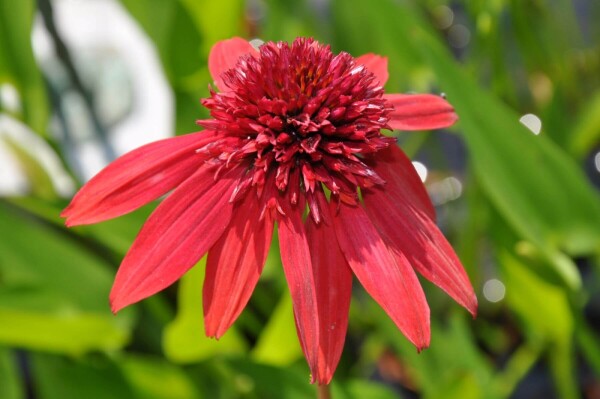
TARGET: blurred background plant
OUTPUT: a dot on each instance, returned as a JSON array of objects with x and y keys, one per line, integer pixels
[{"x": 514, "y": 184}]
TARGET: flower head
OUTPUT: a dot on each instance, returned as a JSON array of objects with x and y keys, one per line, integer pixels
[{"x": 293, "y": 139}]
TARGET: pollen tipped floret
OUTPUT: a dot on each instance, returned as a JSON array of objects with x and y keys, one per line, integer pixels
[{"x": 302, "y": 113}]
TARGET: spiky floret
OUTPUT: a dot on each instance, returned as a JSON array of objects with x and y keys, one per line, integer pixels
[{"x": 303, "y": 113}]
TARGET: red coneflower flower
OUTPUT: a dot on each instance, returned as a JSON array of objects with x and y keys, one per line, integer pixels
[{"x": 295, "y": 140}]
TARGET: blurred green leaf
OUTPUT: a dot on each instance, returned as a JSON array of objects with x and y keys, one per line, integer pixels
[
  {"x": 287, "y": 19},
  {"x": 50, "y": 284},
  {"x": 538, "y": 189},
  {"x": 452, "y": 361},
  {"x": 17, "y": 64},
  {"x": 377, "y": 33},
  {"x": 117, "y": 234},
  {"x": 359, "y": 389},
  {"x": 535, "y": 186},
  {"x": 586, "y": 132},
  {"x": 518, "y": 365},
  {"x": 216, "y": 20},
  {"x": 92, "y": 378},
  {"x": 74, "y": 333},
  {"x": 154, "y": 378},
  {"x": 278, "y": 342},
  {"x": 545, "y": 312},
  {"x": 267, "y": 382},
  {"x": 543, "y": 307},
  {"x": 184, "y": 339},
  {"x": 10, "y": 385}
]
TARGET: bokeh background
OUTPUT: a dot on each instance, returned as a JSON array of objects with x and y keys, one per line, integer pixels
[{"x": 515, "y": 184}]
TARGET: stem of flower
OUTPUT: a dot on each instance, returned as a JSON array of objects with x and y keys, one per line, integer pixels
[{"x": 323, "y": 392}]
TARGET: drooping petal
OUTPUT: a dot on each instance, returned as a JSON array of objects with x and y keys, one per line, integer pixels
[
  {"x": 175, "y": 236},
  {"x": 395, "y": 165},
  {"x": 297, "y": 266},
  {"x": 224, "y": 55},
  {"x": 333, "y": 281},
  {"x": 376, "y": 64},
  {"x": 137, "y": 178},
  {"x": 420, "y": 112},
  {"x": 397, "y": 211},
  {"x": 387, "y": 276},
  {"x": 234, "y": 265}
]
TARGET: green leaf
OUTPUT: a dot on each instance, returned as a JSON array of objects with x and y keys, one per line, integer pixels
[
  {"x": 17, "y": 64},
  {"x": 452, "y": 361},
  {"x": 533, "y": 183},
  {"x": 51, "y": 284},
  {"x": 90, "y": 378},
  {"x": 359, "y": 389},
  {"x": 154, "y": 378},
  {"x": 117, "y": 234},
  {"x": 545, "y": 312},
  {"x": 184, "y": 340},
  {"x": 10, "y": 384},
  {"x": 536, "y": 187},
  {"x": 278, "y": 343},
  {"x": 73, "y": 333},
  {"x": 263, "y": 381},
  {"x": 216, "y": 20},
  {"x": 586, "y": 133}
]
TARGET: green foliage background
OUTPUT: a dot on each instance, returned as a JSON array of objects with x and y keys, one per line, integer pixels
[{"x": 529, "y": 216}]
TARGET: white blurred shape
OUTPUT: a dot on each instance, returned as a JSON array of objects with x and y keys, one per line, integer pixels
[
  {"x": 597, "y": 161},
  {"x": 103, "y": 27},
  {"x": 9, "y": 97},
  {"x": 494, "y": 290},
  {"x": 446, "y": 190},
  {"x": 421, "y": 170},
  {"x": 256, "y": 43},
  {"x": 12, "y": 180},
  {"x": 459, "y": 36},
  {"x": 532, "y": 122}
]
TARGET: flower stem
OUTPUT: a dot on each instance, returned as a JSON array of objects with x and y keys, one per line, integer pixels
[{"x": 323, "y": 392}]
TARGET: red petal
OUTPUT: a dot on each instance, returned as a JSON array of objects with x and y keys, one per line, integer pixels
[
  {"x": 333, "y": 281},
  {"x": 298, "y": 270},
  {"x": 376, "y": 64},
  {"x": 137, "y": 178},
  {"x": 387, "y": 276},
  {"x": 175, "y": 236},
  {"x": 397, "y": 211},
  {"x": 392, "y": 164},
  {"x": 420, "y": 112},
  {"x": 224, "y": 55},
  {"x": 234, "y": 265}
]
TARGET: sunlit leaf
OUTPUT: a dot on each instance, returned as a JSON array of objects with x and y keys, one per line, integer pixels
[
  {"x": 10, "y": 385},
  {"x": 216, "y": 20},
  {"x": 184, "y": 339},
  {"x": 278, "y": 343},
  {"x": 545, "y": 312},
  {"x": 51, "y": 285},
  {"x": 17, "y": 64},
  {"x": 586, "y": 133}
]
